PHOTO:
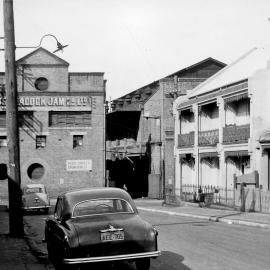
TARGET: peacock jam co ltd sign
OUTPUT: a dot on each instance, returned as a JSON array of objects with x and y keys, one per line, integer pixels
[{"x": 51, "y": 101}]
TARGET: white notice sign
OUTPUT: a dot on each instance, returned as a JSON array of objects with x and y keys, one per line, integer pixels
[{"x": 79, "y": 165}]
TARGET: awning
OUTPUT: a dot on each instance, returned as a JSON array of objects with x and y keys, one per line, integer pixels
[
  {"x": 235, "y": 98},
  {"x": 208, "y": 155},
  {"x": 236, "y": 153}
]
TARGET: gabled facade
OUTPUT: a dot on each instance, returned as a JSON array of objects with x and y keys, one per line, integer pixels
[
  {"x": 145, "y": 119},
  {"x": 222, "y": 129},
  {"x": 61, "y": 124}
]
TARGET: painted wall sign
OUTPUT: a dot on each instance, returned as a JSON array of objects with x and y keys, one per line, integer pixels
[
  {"x": 51, "y": 101},
  {"x": 79, "y": 165}
]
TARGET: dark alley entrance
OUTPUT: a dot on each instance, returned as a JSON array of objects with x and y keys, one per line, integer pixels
[{"x": 130, "y": 172}]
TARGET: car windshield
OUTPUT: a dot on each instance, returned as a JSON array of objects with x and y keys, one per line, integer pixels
[
  {"x": 33, "y": 190},
  {"x": 101, "y": 206}
]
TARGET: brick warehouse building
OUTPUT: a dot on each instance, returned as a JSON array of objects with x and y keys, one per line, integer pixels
[
  {"x": 140, "y": 131},
  {"x": 61, "y": 124}
]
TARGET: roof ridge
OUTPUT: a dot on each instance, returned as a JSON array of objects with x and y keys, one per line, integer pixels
[{"x": 44, "y": 50}]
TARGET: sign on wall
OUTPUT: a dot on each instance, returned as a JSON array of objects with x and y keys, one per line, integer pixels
[
  {"x": 51, "y": 101},
  {"x": 79, "y": 165}
]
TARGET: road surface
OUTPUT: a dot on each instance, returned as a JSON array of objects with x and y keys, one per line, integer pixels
[{"x": 188, "y": 243}]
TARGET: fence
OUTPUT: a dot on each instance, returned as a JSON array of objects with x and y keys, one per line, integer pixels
[
  {"x": 252, "y": 199},
  {"x": 247, "y": 199}
]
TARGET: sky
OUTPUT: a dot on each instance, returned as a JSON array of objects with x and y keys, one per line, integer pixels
[{"x": 136, "y": 42}]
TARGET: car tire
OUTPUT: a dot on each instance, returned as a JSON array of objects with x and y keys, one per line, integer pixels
[
  {"x": 54, "y": 258},
  {"x": 143, "y": 264},
  {"x": 46, "y": 210}
]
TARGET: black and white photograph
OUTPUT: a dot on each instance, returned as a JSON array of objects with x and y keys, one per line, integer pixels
[{"x": 134, "y": 134}]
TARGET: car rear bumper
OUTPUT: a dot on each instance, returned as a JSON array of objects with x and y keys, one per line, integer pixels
[{"x": 152, "y": 254}]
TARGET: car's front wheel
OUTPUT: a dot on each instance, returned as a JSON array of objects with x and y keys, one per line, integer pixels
[{"x": 143, "y": 264}]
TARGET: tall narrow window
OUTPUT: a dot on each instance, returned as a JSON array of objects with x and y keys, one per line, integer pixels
[
  {"x": 77, "y": 141},
  {"x": 40, "y": 142}
]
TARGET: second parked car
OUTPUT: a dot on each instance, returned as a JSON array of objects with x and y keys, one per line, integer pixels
[{"x": 35, "y": 197}]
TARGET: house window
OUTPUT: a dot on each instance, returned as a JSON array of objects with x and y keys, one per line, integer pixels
[
  {"x": 70, "y": 119},
  {"x": 40, "y": 142},
  {"x": 3, "y": 141},
  {"x": 77, "y": 141}
]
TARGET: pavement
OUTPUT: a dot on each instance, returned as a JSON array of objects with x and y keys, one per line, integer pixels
[
  {"x": 22, "y": 253},
  {"x": 16, "y": 253}
]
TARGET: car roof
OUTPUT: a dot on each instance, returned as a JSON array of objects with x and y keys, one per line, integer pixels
[
  {"x": 95, "y": 193},
  {"x": 71, "y": 198},
  {"x": 34, "y": 186}
]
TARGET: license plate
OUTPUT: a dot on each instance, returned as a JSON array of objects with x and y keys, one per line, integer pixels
[{"x": 112, "y": 236}]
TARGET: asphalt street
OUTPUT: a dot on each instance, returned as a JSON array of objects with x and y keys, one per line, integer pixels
[{"x": 190, "y": 243}]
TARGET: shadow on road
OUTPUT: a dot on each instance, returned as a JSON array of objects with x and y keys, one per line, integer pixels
[
  {"x": 198, "y": 223},
  {"x": 169, "y": 261},
  {"x": 224, "y": 216}
]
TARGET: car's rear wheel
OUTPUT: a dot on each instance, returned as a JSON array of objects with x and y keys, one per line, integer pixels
[
  {"x": 143, "y": 264},
  {"x": 46, "y": 210}
]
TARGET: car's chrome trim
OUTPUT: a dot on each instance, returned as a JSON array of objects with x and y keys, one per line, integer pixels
[
  {"x": 151, "y": 254},
  {"x": 36, "y": 207},
  {"x": 111, "y": 229}
]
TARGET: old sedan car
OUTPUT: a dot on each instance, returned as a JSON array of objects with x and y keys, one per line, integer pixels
[
  {"x": 35, "y": 197},
  {"x": 99, "y": 225}
]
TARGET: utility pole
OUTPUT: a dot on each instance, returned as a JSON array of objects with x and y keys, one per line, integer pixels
[{"x": 14, "y": 178}]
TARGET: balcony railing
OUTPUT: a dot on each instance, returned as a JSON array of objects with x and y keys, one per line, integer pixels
[
  {"x": 209, "y": 137},
  {"x": 186, "y": 140},
  {"x": 236, "y": 134}
]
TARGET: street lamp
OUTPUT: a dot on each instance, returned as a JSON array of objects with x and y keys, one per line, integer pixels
[{"x": 60, "y": 47}]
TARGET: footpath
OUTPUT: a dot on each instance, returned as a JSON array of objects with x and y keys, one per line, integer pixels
[
  {"x": 213, "y": 213},
  {"x": 16, "y": 253},
  {"x": 21, "y": 253}
]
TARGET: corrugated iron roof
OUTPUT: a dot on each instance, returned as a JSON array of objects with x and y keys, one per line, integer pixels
[{"x": 239, "y": 70}]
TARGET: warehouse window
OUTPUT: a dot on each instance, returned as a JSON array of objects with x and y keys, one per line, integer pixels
[
  {"x": 70, "y": 119},
  {"x": 77, "y": 141},
  {"x": 3, "y": 141},
  {"x": 41, "y": 84},
  {"x": 40, "y": 142},
  {"x": 35, "y": 171}
]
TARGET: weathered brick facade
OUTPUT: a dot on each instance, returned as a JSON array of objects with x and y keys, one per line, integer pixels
[{"x": 76, "y": 99}]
